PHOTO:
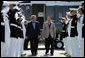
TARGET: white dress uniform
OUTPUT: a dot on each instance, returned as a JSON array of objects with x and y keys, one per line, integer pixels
[
  {"x": 70, "y": 40},
  {"x": 66, "y": 42},
  {"x": 73, "y": 35},
  {"x": 24, "y": 32},
  {"x": 21, "y": 40},
  {"x": 80, "y": 39},
  {"x": 13, "y": 33},
  {"x": 64, "y": 36},
  {"x": 5, "y": 45},
  {"x": 67, "y": 39},
  {"x": 17, "y": 51},
  {"x": 7, "y": 35},
  {"x": 69, "y": 47}
]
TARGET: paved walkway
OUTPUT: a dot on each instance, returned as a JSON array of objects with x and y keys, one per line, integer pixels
[{"x": 41, "y": 53}]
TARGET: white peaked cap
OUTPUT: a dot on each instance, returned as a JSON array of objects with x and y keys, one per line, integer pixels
[
  {"x": 68, "y": 13},
  {"x": 20, "y": 12},
  {"x": 5, "y": 3},
  {"x": 6, "y": 9},
  {"x": 16, "y": 7},
  {"x": 80, "y": 7},
  {"x": 63, "y": 18}
]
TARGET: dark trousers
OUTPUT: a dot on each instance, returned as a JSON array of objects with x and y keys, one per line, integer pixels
[
  {"x": 34, "y": 45},
  {"x": 26, "y": 44},
  {"x": 48, "y": 43}
]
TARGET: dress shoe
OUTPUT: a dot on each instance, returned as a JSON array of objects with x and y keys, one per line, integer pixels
[
  {"x": 46, "y": 53},
  {"x": 51, "y": 54},
  {"x": 36, "y": 54}
]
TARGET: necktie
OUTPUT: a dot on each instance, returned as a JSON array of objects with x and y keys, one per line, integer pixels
[
  {"x": 34, "y": 25},
  {"x": 49, "y": 25}
]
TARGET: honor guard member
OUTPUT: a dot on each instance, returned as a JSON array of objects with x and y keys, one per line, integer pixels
[
  {"x": 80, "y": 28},
  {"x": 74, "y": 24},
  {"x": 83, "y": 37},
  {"x": 73, "y": 33},
  {"x": 19, "y": 20},
  {"x": 24, "y": 31},
  {"x": 82, "y": 8},
  {"x": 13, "y": 30},
  {"x": 21, "y": 35},
  {"x": 64, "y": 33},
  {"x": 68, "y": 39},
  {"x": 64, "y": 28},
  {"x": 2, "y": 36},
  {"x": 19, "y": 31},
  {"x": 83, "y": 29},
  {"x": 5, "y": 36}
]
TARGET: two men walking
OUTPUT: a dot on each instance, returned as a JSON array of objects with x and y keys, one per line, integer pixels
[{"x": 33, "y": 33}]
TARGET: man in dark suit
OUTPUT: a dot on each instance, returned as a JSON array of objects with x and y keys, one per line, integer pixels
[{"x": 33, "y": 32}]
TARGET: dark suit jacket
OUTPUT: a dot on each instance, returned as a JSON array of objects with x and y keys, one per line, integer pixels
[{"x": 31, "y": 32}]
